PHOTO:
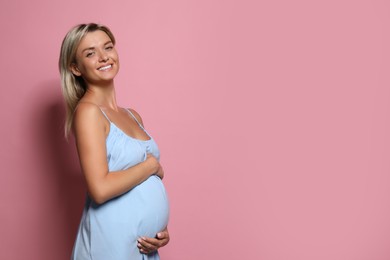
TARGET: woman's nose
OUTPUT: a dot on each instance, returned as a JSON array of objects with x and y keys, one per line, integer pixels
[{"x": 103, "y": 57}]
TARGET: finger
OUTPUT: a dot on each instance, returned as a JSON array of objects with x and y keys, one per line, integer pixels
[
  {"x": 162, "y": 173},
  {"x": 163, "y": 234},
  {"x": 151, "y": 242},
  {"x": 144, "y": 250},
  {"x": 147, "y": 245}
]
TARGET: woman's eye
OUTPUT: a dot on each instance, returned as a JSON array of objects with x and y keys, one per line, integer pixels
[
  {"x": 109, "y": 47},
  {"x": 89, "y": 54}
]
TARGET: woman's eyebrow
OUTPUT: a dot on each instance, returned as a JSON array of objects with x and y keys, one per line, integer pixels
[
  {"x": 92, "y": 48},
  {"x": 88, "y": 49}
]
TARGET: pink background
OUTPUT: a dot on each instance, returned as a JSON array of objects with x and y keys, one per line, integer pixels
[{"x": 273, "y": 118}]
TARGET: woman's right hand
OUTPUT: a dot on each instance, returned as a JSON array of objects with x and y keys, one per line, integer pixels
[{"x": 155, "y": 164}]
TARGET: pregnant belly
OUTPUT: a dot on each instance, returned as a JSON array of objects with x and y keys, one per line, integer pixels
[
  {"x": 143, "y": 211},
  {"x": 149, "y": 200}
]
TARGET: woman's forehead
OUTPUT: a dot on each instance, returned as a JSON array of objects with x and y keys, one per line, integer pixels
[{"x": 94, "y": 39}]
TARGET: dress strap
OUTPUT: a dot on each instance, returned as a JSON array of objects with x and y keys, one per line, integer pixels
[
  {"x": 140, "y": 125},
  {"x": 105, "y": 114}
]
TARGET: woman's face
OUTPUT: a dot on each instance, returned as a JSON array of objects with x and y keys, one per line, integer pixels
[{"x": 96, "y": 59}]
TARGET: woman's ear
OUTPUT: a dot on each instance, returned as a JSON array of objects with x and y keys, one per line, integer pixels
[{"x": 75, "y": 70}]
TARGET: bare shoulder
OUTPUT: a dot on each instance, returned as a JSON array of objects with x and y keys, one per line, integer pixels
[
  {"x": 135, "y": 113},
  {"x": 88, "y": 115},
  {"x": 86, "y": 110}
]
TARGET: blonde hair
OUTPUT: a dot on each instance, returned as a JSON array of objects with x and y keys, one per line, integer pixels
[{"x": 74, "y": 87}]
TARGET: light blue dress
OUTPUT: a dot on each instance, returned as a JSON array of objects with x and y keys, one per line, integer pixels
[{"x": 109, "y": 231}]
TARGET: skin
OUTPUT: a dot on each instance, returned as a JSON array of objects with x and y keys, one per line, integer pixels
[
  {"x": 148, "y": 245},
  {"x": 97, "y": 62}
]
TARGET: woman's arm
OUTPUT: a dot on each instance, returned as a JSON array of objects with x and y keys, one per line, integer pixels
[{"x": 90, "y": 128}]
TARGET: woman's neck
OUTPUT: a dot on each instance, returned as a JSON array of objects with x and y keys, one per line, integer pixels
[{"x": 103, "y": 96}]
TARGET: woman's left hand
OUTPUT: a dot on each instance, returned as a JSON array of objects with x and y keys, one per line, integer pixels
[{"x": 148, "y": 245}]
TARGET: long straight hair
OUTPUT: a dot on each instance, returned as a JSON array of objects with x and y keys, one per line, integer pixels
[{"x": 74, "y": 87}]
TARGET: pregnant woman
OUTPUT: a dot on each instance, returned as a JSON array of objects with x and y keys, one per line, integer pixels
[{"x": 126, "y": 210}]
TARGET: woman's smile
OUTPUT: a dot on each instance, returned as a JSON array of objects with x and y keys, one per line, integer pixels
[{"x": 105, "y": 68}]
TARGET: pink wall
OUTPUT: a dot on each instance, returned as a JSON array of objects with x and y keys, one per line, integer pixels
[{"x": 273, "y": 118}]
